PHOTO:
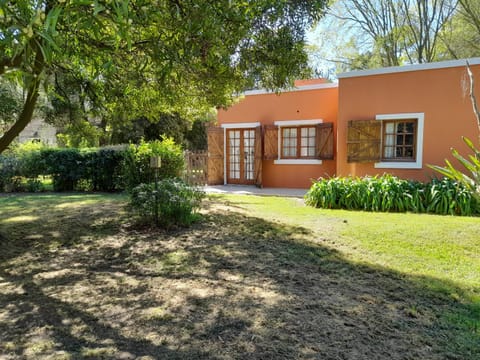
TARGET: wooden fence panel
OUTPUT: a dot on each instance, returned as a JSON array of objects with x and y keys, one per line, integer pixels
[
  {"x": 215, "y": 156},
  {"x": 196, "y": 172}
]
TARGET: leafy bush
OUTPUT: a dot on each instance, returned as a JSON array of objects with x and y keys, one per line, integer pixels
[
  {"x": 9, "y": 181},
  {"x": 66, "y": 166},
  {"x": 389, "y": 193},
  {"x": 175, "y": 202},
  {"x": 470, "y": 179},
  {"x": 105, "y": 169},
  {"x": 136, "y": 164},
  {"x": 70, "y": 169}
]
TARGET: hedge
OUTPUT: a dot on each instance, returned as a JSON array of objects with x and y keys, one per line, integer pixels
[
  {"x": 391, "y": 194},
  {"x": 93, "y": 169}
]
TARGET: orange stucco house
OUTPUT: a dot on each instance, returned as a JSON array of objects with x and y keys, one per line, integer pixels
[{"x": 392, "y": 120}]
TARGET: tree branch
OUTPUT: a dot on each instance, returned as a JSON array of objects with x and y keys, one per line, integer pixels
[
  {"x": 10, "y": 62},
  {"x": 472, "y": 95}
]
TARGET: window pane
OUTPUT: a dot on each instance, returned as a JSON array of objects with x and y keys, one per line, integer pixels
[
  {"x": 389, "y": 128},
  {"x": 408, "y": 139},
  {"x": 399, "y": 140}
]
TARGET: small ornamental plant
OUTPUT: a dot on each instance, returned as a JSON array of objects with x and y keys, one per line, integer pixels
[{"x": 174, "y": 202}]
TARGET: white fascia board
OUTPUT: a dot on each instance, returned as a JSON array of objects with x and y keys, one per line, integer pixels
[
  {"x": 299, "y": 88},
  {"x": 241, "y": 125},
  {"x": 281, "y": 123},
  {"x": 400, "y": 116},
  {"x": 297, "y": 162},
  {"x": 407, "y": 68}
]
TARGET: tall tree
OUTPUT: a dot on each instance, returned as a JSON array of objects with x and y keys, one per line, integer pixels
[
  {"x": 425, "y": 20},
  {"x": 155, "y": 56},
  {"x": 381, "y": 20},
  {"x": 390, "y": 32},
  {"x": 460, "y": 37}
]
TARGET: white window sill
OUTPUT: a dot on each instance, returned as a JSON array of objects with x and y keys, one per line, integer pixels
[
  {"x": 398, "y": 165},
  {"x": 297, "y": 162}
]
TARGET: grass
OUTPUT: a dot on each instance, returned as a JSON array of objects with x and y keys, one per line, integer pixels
[
  {"x": 441, "y": 247},
  {"x": 264, "y": 278}
]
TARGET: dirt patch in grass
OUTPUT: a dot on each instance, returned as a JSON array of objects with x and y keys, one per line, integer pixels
[{"x": 78, "y": 281}]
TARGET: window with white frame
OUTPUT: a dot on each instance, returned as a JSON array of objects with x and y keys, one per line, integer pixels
[
  {"x": 298, "y": 142},
  {"x": 402, "y": 140},
  {"x": 391, "y": 141}
]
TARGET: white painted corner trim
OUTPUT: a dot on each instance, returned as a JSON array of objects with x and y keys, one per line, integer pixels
[
  {"x": 297, "y": 162},
  {"x": 419, "y": 145},
  {"x": 241, "y": 125}
]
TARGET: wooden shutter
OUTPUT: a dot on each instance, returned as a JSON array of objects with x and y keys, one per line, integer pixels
[
  {"x": 215, "y": 155},
  {"x": 324, "y": 141},
  {"x": 270, "y": 142},
  {"x": 258, "y": 156},
  {"x": 363, "y": 140}
]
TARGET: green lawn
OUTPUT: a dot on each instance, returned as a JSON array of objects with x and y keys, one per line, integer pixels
[
  {"x": 445, "y": 248},
  {"x": 258, "y": 277}
]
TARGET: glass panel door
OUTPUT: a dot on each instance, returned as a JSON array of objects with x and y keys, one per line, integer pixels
[
  {"x": 249, "y": 152},
  {"x": 241, "y": 156}
]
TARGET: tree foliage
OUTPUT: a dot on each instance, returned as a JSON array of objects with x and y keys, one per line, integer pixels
[
  {"x": 10, "y": 104},
  {"x": 461, "y": 36},
  {"x": 394, "y": 32},
  {"x": 146, "y": 57}
]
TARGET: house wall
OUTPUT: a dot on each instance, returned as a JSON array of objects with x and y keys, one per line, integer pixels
[
  {"x": 38, "y": 129},
  {"x": 266, "y": 108},
  {"x": 441, "y": 94}
]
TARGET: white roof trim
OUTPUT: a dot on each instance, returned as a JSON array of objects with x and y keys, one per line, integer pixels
[
  {"x": 299, "y": 88},
  {"x": 240, "y": 125},
  {"x": 298, "y": 122},
  {"x": 297, "y": 162},
  {"x": 407, "y": 68}
]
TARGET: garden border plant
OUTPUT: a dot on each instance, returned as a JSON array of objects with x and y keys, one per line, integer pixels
[{"x": 388, "y": 193}]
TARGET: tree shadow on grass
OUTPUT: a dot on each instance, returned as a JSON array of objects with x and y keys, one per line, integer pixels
[{"x": 231, "y": 287}]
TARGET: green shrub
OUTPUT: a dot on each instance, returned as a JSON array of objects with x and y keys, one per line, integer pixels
[
  {"x": 175, "y": 201},
  {"x": 103, "y": 168},
  {"x": 9, "y": 181},
  {"x": 66, "y": 166},
  {"x": 136, "y": 164},
  {"x": 391, "y": 194},
  {"x": 469, "y": 176},
  {"x": 29, "y": 155}
]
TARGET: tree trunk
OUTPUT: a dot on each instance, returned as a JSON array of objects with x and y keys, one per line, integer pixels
[
  {"x": 24, "y": 118},
  {"x": 29, "y": 106}
]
